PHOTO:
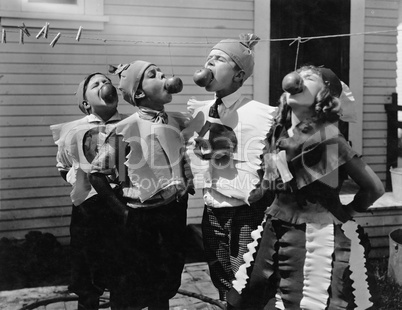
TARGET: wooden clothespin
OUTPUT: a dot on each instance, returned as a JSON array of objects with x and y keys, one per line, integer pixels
[
  {"x": 77, "y": 38},
  {"x": 41, "y": 32},
  {"x": 54, "y": 41},
  {"x": 25, "y": 30},
  {"x": 21, "y": 36},
  {"x": 46, "y": 30},
  {"x": 3, "y": 36}
]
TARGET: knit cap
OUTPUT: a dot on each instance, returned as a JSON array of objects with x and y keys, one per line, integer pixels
[
  {"x": 241, "y": 51},
  {"x": 130, "y": 78},
  {"x": 80, "y": 93}
]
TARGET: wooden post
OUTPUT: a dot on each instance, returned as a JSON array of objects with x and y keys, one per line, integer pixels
[{"x": 392, "y": 137}]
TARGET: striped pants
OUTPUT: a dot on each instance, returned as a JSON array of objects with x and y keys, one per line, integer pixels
[
  {"x": 307, "y": 266},
  {"x": 226, "y": 233}
]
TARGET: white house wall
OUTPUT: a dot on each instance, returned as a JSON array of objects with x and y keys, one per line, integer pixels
[
  {"x": 37, "y": 83},
  {"x": 380, "y": 52},
  {"x": 399, "y": 74}
]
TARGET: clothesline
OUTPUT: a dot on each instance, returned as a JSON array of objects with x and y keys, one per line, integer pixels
[{"x": 44, "y": 32}]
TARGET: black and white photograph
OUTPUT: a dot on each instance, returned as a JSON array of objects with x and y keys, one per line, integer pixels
[{"x": 201, "y": 155}]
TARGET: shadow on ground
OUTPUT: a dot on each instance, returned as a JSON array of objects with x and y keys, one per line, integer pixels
[{"x": 40, "y": 260}]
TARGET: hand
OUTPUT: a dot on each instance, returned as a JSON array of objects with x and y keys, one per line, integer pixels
[
  {"x": 255, "y": 195},
  {"x": 343, "y": 213},
  {"x": 202, "y": 148},
  {"x": 190, "y": 187}
]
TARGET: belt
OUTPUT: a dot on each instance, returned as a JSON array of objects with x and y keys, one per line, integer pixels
[{"x": 162, "y": 197}]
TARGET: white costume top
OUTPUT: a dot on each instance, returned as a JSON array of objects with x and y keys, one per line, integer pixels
[
  {"x": 78, "y": 142},
  {"x": 230, "y": 185},
  {"x": 152, "y": 172}
]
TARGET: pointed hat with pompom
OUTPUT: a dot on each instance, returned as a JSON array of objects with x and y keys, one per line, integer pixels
[{"x": 241, "y": 51}]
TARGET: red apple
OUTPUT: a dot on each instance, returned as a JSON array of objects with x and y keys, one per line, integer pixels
[
  {"x": 292, "y": 83},
  {"x": 108, "y": 93},
  {"x": 174, "y": 85},
  {"x": 203, "y": 77}
]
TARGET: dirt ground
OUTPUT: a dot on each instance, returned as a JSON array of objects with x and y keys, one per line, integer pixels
[{"x": 40, "y": 260}]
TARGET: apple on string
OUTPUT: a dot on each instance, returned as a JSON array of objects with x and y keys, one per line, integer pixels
[
  {"x": 203, "y": 77},
  {"x": 173, "y": 85}
]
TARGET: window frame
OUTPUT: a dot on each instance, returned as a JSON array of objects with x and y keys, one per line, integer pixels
[
  {"x": 87, "y": 13},
  {"x": 78, "y": 8}
]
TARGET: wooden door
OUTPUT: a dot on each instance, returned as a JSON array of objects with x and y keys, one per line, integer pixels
[{"x": 308, "y": 18}]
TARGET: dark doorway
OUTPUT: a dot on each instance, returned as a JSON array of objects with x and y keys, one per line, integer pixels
[{"x": 308, "y": 18}]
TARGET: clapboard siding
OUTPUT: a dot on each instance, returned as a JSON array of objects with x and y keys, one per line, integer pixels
[
  {"x": 378, "y": 224},
  {"x": 380, "y": 56},
  {"x": 381, "y": 12},
  {"x": 38, "y": 83},
  {"x": 379, "y": 79},
  {"x": 31, "y": 182},
  {"x": 384, "y": 216},
  {"x": 375, "y": 160},
  {"x": 53, "y": 201}
]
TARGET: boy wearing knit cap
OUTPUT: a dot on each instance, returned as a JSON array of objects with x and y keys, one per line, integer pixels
[
  {"x": 226, "y": 138},
  {"x": 93, "y": 225},
  {"x": 147, "y": 152}
]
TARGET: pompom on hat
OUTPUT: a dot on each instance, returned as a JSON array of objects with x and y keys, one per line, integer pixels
[
  {"x": 130, "y": 76},
  {"x": 80, "y": 93},
  {"x": 241, "y": 51}
]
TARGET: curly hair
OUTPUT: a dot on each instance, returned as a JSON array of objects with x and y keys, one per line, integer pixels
[{"x": 327, "y": 107}]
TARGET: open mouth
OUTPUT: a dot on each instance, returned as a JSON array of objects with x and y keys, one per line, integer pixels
[
  {"x": 203, "y": 77},
  {"x": 212, "y": 77}
]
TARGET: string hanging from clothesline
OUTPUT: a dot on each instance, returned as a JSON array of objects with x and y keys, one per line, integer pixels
[
  {"x": 299, "y": 41},
  {"x": 207, "y": 47},
  {"x": 170, "y": 57}
]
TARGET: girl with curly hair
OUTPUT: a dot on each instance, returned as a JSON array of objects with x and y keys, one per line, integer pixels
[{"x": 309, "y": 253}]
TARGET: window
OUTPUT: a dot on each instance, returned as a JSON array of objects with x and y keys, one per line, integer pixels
[
  {"x": 54, "y": 1},
  {"x": 53, "y": 6},
  {"x": 65, "y": 14}
]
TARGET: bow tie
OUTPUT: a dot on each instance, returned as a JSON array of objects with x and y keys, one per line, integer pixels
[{"x": 159, "y": 117}]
